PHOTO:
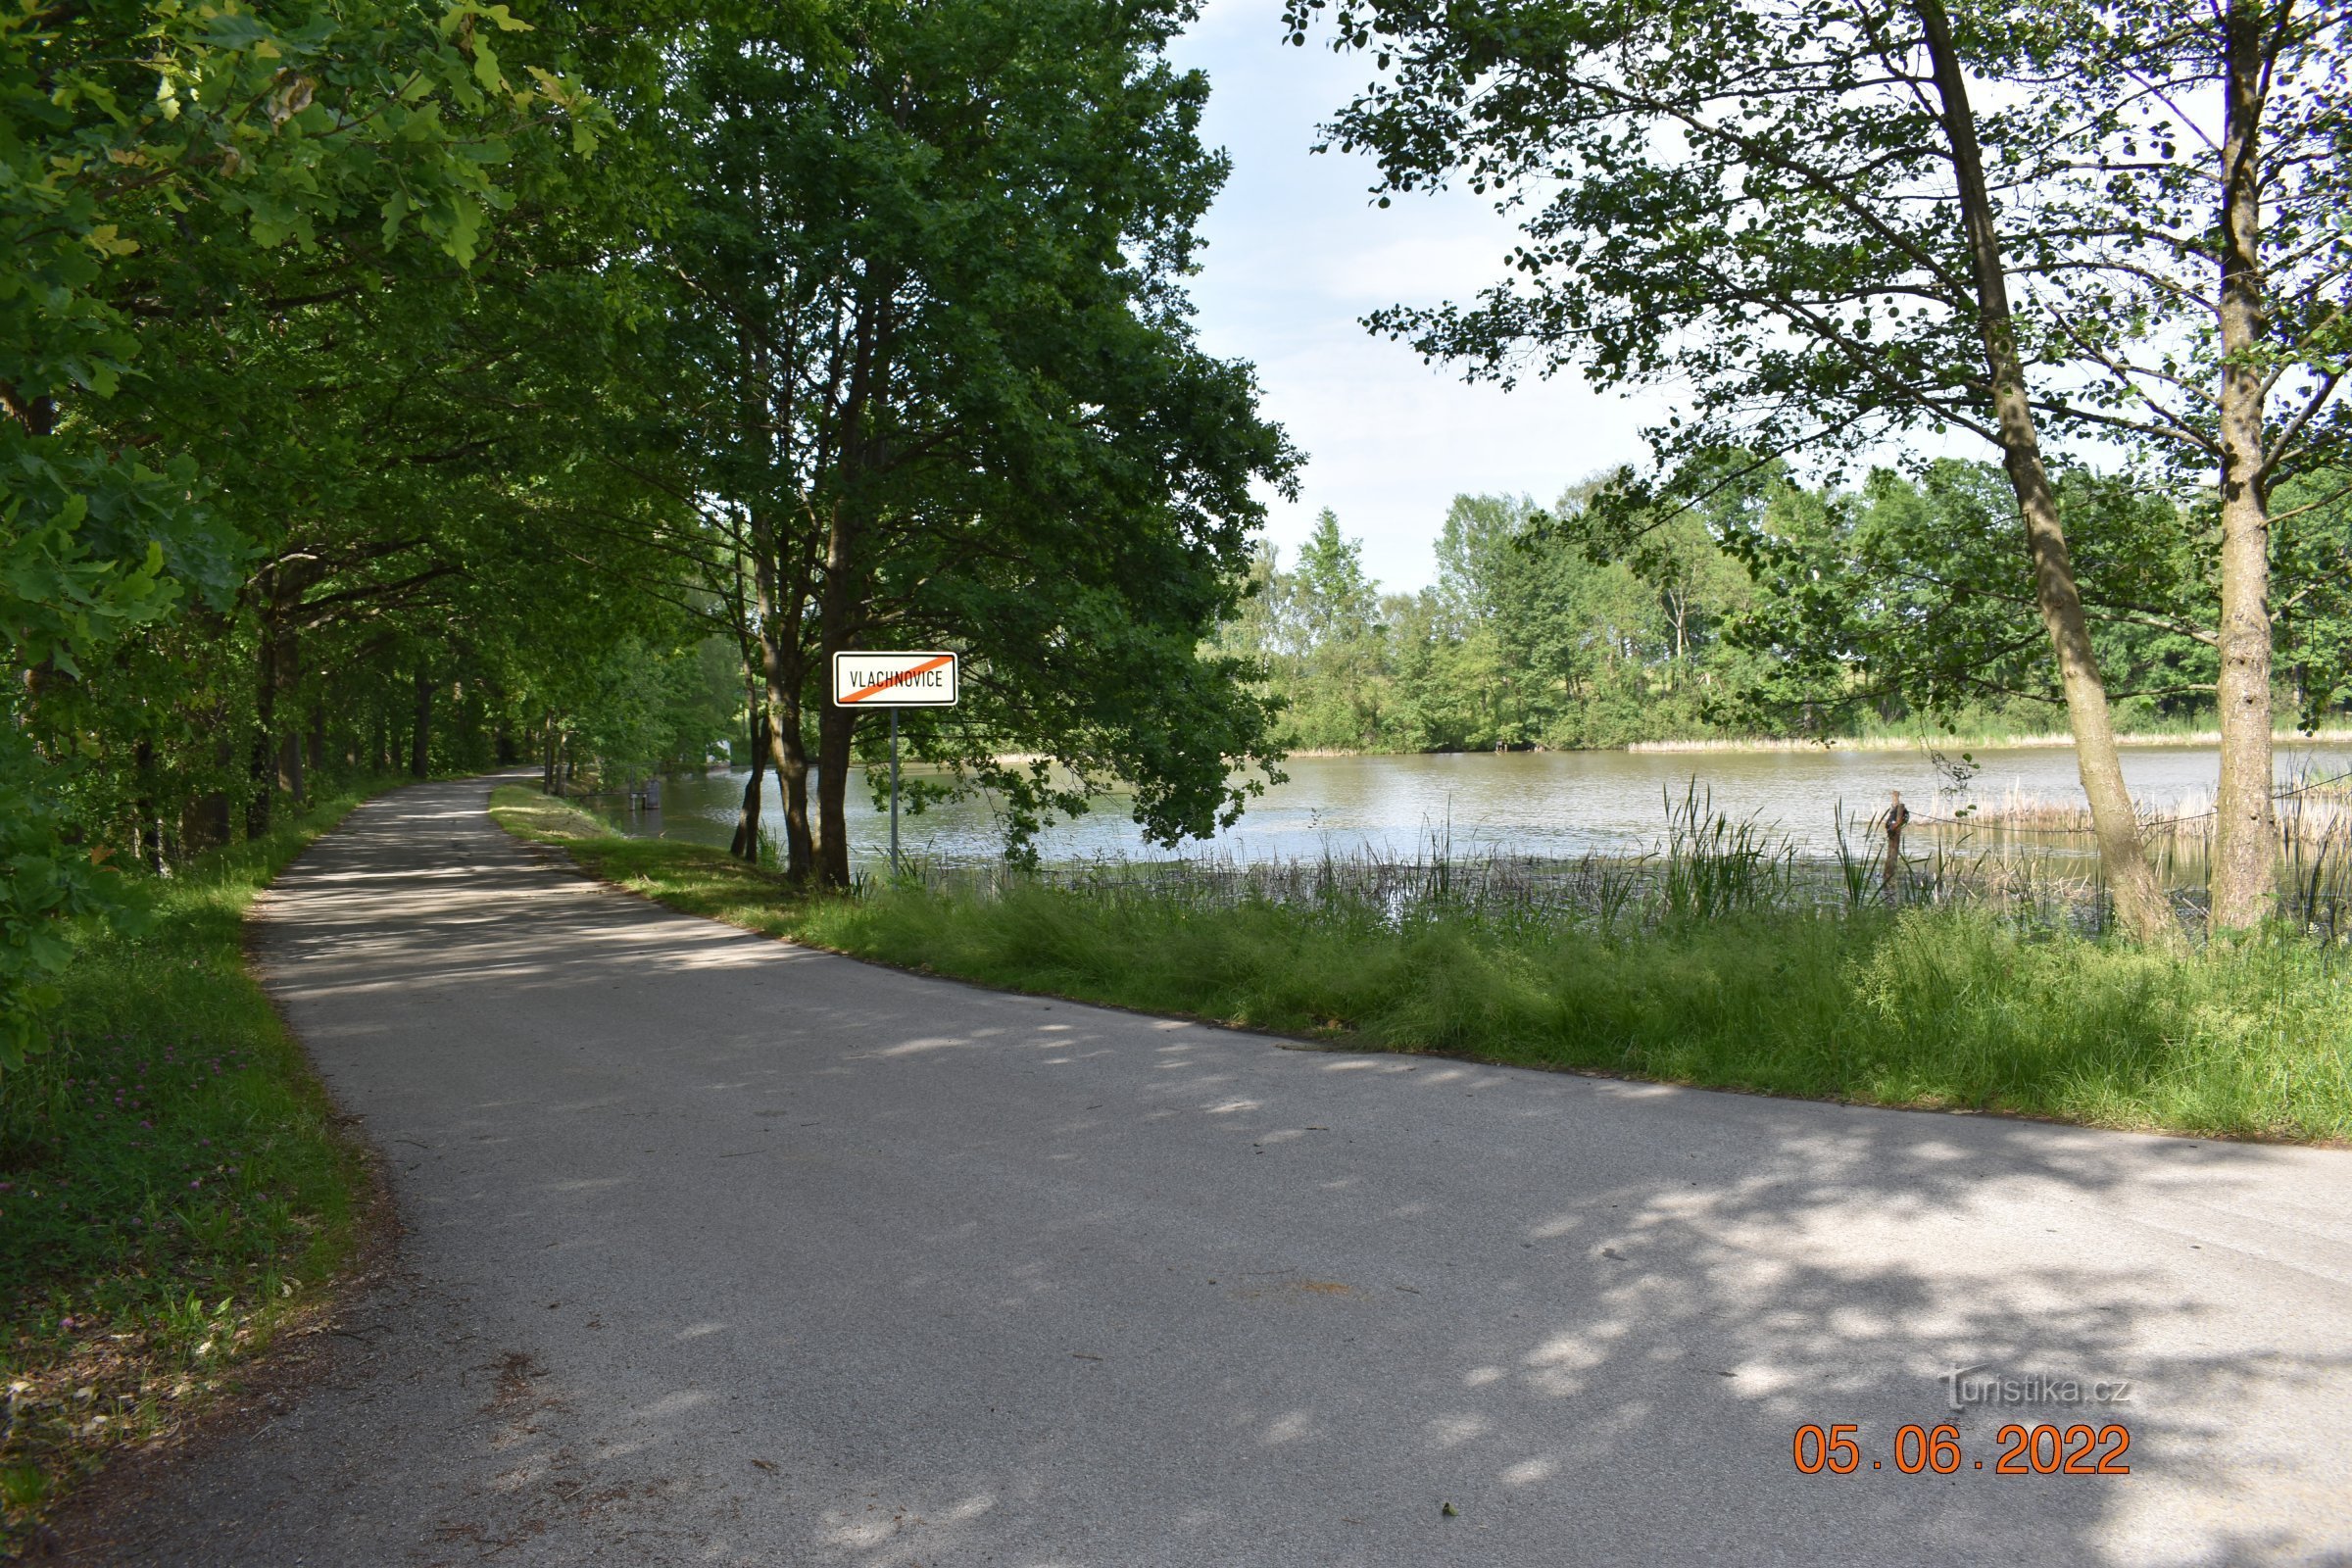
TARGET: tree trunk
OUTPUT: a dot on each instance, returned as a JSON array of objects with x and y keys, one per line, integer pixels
[
  {"x": 548, "y": 784},
  {"x": 777, "y": 617},
  {"x": 290, "y": 744},
  {"x": 421, "y": 739},
  {"x": 290, "y": 780},
  {"x": 836, "y": 729},
  {"x": 843, "y": 591},
  {"x": 2139, "y": 899},
  {"x": 290, "y": 768},
  {"x": 260, "y": 767},
  {"x": 838, "y": 603},
  {"x": 2245, "y": 846},
  {"x": 206, "y": 821},
  {"x": 788, "y": 755},
  {"x": 150, "y": 826},
  {"x": 747, "y": 819},
  {"x": 317, "y": 754}
]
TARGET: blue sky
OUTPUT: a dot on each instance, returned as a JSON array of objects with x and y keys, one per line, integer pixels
[{"x": 1297, "y": 252}]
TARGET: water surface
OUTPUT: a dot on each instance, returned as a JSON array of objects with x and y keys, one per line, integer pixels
[{"x": 1550, "y": 804}]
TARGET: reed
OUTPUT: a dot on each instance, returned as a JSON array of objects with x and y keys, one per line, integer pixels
[
  {"x": 1707, "y": 865},
  {"x": 1985, "y": 739}
]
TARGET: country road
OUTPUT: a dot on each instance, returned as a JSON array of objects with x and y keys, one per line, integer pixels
[{"x": 722, "y": 1252}]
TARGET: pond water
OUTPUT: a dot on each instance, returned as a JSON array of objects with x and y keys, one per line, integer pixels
[{"x": 1547, "y": 805}]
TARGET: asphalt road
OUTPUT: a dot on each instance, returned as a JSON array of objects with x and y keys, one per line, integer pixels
[{"x": 722, "y": 1252}]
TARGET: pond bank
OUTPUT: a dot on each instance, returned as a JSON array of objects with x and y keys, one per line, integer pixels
[
  {"x": 1926, "y": 1009},
  {"x": 1975, "y": 743}
]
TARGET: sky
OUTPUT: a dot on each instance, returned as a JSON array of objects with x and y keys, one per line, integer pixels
[{"x": 1297, "y": 253}]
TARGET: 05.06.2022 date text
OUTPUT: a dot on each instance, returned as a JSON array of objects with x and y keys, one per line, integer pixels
[{"x": 2043, "y": 1450}]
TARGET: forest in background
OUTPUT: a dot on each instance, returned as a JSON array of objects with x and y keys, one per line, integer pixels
[{"x": 1536, "y": 634}]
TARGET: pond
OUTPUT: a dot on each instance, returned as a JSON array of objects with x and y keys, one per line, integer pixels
[{"x": 1545, "y": 805}]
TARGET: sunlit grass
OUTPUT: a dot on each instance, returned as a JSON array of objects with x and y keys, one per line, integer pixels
[
  {"x": 172, "y": 1184},
  {"x": 1949, "y": 1008}
]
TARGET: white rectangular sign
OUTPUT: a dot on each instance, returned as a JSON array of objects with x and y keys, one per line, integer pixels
[{"x": 894, "y": 680}]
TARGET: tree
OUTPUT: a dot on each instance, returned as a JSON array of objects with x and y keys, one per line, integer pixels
[
  {"x": 1809, "y": 218},
  {"x": 1323, "y": 639},
  {"x": 160, "y": 160},
  {"x": 1911, "y": 596},
  {"x": 2188, "y": 245},
  {"x": 934, "y": 370},
  {"x": 2312, "y": 543}
]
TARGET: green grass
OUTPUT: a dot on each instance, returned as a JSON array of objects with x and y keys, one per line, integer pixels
[
  {"x": 1926, "y": 1007},
  {"x": 172, "y": 1187}
]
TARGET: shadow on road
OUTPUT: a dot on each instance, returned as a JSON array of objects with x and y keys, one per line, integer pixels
[{"x": 727, "y": 1252}]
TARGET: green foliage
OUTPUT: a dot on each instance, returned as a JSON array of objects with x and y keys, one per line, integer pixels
[
  {"x": 1758, "y": 205},
  {"x": 47, "y": 888},
  {"x": 2311, "y": 546},
  {"x": 1526, "y": 639},
  {"x": 1912, "y": 597},
  {"x": 1317, "y": 633},
  {"x": 183, "y": 190},
  {"x": 1901, "y": 607},
  {"x": 935, "y": 384},
  {"x": 629, "y": 710}
]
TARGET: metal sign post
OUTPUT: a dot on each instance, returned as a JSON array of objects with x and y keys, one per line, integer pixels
[{"x": 895, "y": 680}]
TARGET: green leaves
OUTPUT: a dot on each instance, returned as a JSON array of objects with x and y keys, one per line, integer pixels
[
  {"x": 1912, "y": 596},
  {"x": 182, "y": 188},
  {"x": 43, "y": 885},
  {"x": 932, "y": 328}
]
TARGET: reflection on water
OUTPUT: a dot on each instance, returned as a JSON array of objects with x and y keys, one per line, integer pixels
[{"x": 1541, "y": 804}]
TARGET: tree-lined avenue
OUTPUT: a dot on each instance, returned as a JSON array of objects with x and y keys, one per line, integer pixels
[{"x": 723, "y": 1250}]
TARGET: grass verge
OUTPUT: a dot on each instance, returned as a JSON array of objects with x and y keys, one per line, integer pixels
[
  {"x": 173, "y": 1190},
  {"x": 1941, "y": 1007}
]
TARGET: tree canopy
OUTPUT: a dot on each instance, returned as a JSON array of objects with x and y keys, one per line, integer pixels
[{"x": 396, "y": 386}]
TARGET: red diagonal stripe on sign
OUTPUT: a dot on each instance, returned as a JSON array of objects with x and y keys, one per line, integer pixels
[{"x": 906, "y": 674}]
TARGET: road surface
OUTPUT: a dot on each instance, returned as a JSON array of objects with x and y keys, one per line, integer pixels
[{"x": 724, "y": 1252}]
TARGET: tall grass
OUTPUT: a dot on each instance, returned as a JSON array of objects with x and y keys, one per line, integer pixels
[
  {"x": 1716, "y": 866},
  {"x": 2314, "y": 826}
]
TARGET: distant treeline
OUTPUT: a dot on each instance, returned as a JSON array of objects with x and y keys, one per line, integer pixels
[{"x": 1783, "y": 611}]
